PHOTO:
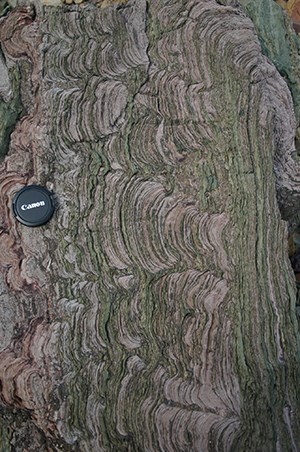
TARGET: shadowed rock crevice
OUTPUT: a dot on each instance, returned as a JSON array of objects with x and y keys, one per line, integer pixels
[
  {"x": 159, "y": 310},
  {"x": 10, "y": 103}
]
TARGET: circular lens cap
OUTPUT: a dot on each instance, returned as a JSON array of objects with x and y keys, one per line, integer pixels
[{"x": 33, "y": 205}]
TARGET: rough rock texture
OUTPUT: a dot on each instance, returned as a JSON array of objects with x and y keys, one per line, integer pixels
[
  {"x": 278, "y": 39},
  {"x": 156, "y": 311},
  {"x": 293, "y": 9},
  {"x": 10, "y": 105},
  {"x": 281, "y": 44}
]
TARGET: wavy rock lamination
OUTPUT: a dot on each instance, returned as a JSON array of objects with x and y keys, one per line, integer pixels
[{"x": 159, "y": 317}]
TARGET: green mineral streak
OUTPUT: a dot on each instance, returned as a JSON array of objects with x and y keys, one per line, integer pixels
[
  {"x": 278, "y": 40},
  {"x": 9, "y": 114}
]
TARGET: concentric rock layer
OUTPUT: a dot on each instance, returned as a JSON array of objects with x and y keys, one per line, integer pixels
[{"x": 156, "y": 311}]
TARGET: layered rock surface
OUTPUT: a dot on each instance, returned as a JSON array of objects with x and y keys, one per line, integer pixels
[{"x": 156, "y": 311}]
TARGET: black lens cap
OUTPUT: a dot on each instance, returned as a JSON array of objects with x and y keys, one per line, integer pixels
[{"x": 33, "y": 205}]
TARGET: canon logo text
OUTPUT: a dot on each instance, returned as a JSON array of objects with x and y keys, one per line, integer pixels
[{"x": 34, "y": 205}]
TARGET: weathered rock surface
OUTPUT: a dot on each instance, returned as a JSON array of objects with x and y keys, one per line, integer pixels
[{"x": 156, "y": 311}]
